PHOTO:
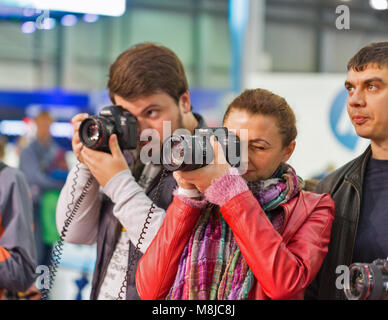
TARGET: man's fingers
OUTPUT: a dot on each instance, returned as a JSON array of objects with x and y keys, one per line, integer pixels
[
  {"x": 114, "y": 146},
  {"x": 93, "y": 154},
  {"x": 77, "y": 148},
  {"x": 77, "y": 120},
  {"x": 79, "y": 117}
]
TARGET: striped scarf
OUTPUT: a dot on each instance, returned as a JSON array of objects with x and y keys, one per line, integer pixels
[{"x": 211, "y": 266}]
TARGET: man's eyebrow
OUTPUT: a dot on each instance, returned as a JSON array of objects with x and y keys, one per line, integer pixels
[
  {"x": 374, "y": 79},
  {"x": 149, "y": 107},
  {"x": 259, "y": 140},
  {"x": 367, "y": 81}
]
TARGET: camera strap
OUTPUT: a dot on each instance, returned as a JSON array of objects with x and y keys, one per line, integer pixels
[
  {"x": 134, "y": 256},
  {"x": 56, "y": 253}
]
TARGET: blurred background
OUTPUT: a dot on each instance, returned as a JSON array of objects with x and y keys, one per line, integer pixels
[{"x": 55, "y": 56}]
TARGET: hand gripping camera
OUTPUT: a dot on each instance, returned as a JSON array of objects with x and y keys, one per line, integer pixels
[
  {"x": 368, "y": 281},
  {"x": 187, "y": 153},
  {"x": 94, "y": 131}
]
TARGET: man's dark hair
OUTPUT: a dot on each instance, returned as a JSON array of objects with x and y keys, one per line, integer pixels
[
  {"x": 375, "y": 53},
  {"x": 145, "y": 69}
]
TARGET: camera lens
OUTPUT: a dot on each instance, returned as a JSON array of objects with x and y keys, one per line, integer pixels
[
  {"x": 357, "y": 284},
  {"x": 360, "y": 282},
  {"x": 93, "y": 133},
  {"x": 175, "y": 152},
  {"x": 90, "y": 132}
]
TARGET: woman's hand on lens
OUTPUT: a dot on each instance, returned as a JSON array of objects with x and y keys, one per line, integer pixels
[
  {"x": 203, "y": 177},
  {"x": 105, "y": 166},
  {"x": 76, "y": 142}
]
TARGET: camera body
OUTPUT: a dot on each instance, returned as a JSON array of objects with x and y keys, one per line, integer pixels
[
  {"x": 187, "y": 153},
  {"x": 94, "y": 131},
  {"x": 368, "y": 281}
]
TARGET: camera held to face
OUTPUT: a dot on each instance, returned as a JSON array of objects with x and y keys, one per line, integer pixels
[
  {"x": 187, "y": 153},
  {"x": 368, "y": 281},
  {"x": 94, "y": 131}
]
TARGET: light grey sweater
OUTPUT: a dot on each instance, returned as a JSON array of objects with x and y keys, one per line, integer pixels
[{"x": 131, "y": 206}]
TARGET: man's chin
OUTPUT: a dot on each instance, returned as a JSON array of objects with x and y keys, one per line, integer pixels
[{"x": 364, "y": 134}]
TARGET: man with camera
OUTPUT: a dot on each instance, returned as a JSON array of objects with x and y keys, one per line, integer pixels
[
  {"x": 149, "y": 81},
  {"x": 359, "y": 232}
]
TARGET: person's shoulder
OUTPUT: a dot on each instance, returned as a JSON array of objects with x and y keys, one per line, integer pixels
[
  {"x": 12, "y": 175},
  {"x": 311, "y": 204},
  {"x": 311, "y": 197},
  {"x": 327, "y": 184},
  {"x": 28, "y": 148}
]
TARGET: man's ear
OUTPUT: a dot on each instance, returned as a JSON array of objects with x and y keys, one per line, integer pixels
[
  {"x": 185, "y": 102},
  {"x": 288, "y": 151}
]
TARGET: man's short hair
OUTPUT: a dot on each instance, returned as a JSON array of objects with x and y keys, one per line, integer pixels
[
  {"x": 375, "y": 53},
  {"x": 145, "y": 69}
]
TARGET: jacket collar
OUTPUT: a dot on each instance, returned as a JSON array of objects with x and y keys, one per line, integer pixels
[
  {"x": 355, "y": 175},
  {"x": 201, "y": 121}
]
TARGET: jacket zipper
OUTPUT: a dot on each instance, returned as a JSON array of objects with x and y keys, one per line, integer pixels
[
  {"x": 105, "y": 269},
  {"x": 357, "y": 219},
  {"x": 103, "y": 274}
]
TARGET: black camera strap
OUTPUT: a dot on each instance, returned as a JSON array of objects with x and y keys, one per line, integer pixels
[{"x": 56, "y": 253}]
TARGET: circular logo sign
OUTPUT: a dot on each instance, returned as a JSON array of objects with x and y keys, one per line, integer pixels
[{"x": 340, "y": 123}]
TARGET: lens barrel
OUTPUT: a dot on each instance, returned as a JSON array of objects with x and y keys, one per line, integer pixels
[
  {"x": 94, "y": 133},
  {"x": 367, "y": 282},
  {"x": 186, "y": 153}
]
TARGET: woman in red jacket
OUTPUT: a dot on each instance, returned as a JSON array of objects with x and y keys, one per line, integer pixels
[{"x": 255, "y": 236}]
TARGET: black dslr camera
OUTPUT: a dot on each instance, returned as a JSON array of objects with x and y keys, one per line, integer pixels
[
  {"x": 368, "y": 281},
  {"x": 94, "y": 131},
  {"x": 187, "y": 153}
]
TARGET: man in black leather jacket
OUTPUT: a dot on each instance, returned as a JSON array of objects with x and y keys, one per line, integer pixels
[{"x": 359, "y": 232}]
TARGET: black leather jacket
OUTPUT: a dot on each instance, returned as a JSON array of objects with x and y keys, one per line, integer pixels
[{"x": 345, "y": 187}]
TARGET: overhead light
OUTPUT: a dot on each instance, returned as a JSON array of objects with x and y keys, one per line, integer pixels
[
  {"x": 379, "y": 4},
  {"x": 28, "y": 27},
  {"x": 109, "y": 8},
  {"x": 28, "y": 12},
  {"x": 69, "y": 20},
  {"x": 47, "y": 24},
  {"x": 20, "y": 128},
  {"x": 61, "y": 130},
  {"x": 13, "y": 127},
  {"x": 90, "y": 18}
]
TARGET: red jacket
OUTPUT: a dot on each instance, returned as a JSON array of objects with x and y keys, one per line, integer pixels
[{"x": 283, "y": 264}]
